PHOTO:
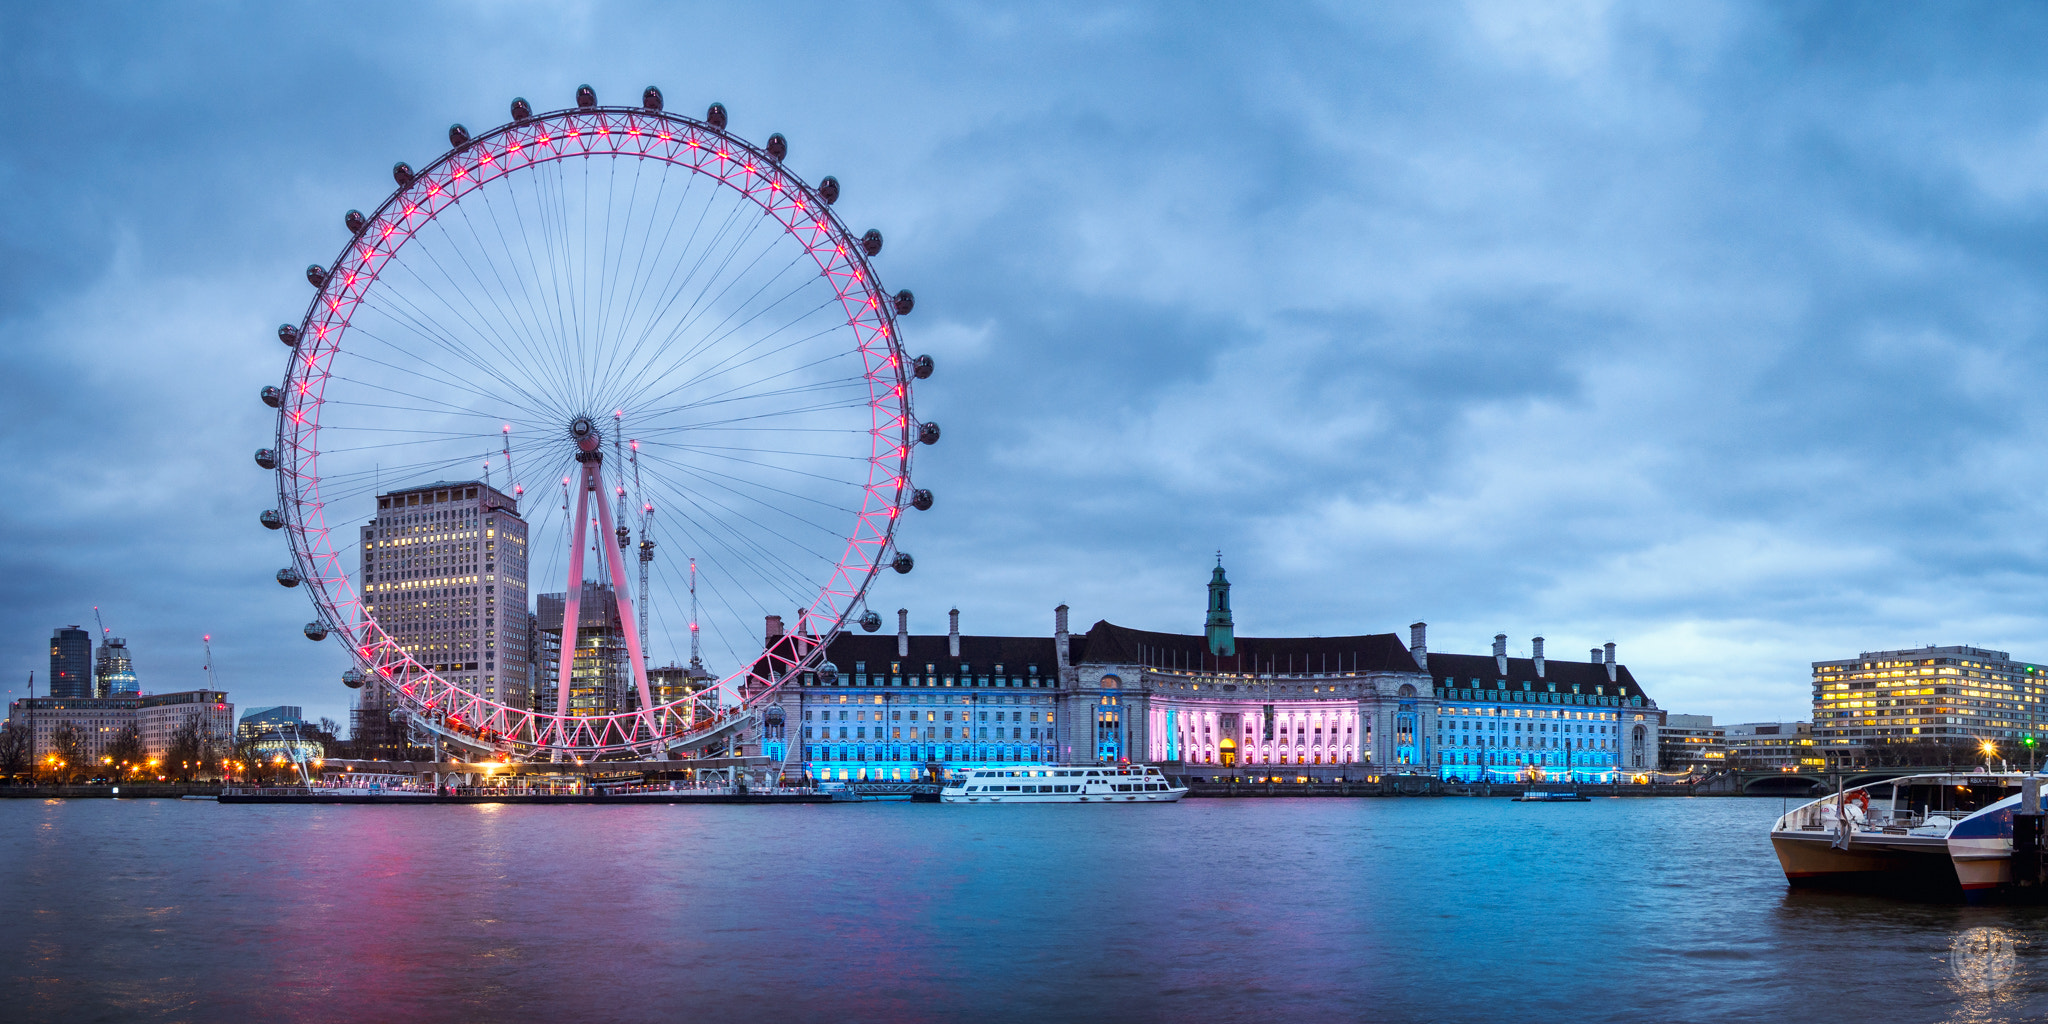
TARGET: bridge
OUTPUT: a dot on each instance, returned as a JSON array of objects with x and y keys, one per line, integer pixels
[{"x": 1810, "y": 783}]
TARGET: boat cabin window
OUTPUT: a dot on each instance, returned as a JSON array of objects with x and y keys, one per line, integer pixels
[{"x": 1954, "y": 800}]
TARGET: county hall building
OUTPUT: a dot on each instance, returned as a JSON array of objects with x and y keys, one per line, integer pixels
[{"x": 1213, "y": 703}]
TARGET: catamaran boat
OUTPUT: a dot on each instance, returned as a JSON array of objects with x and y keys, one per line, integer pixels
[
  {"x": 1063, "y": 784},
  {"x": 1940, "y": 831}
]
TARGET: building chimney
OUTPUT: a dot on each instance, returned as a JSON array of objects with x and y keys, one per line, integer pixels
[
  {"x": 1500, "y": 653},
  {"x": 1059, "y": 640},
  {"x": 1418, "y": 643},
  {"x": 1611, "y": 674},
  {"x": 953, "y": 633},
  {"x": 774, "y": 629},
  {"x": 1536, "y": 649},
  {"x": 1594, "y": 656},
  {"x": 903, "y": 632}
]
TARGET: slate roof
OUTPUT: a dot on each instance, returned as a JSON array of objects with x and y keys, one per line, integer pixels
[
  {"x": 1371, "y": 652},
  {"x": 1458, "y": 671},
  {"x": 980, "y": 653}
]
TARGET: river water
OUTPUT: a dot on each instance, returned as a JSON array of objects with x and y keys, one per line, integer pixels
[{"x": 1215, "y": 910}]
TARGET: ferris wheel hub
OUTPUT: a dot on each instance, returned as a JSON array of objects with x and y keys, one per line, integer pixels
[{"x": 585, "y": 433}]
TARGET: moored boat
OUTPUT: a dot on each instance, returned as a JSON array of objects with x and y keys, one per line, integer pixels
[
  {"x": 1891, "y": 835},
  {"x": 1552, "y": 796},
  {"x": 1063, "y": 784}
]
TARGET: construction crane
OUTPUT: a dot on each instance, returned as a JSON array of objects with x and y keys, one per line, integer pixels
[
  {"x": 100, "y": 661},
  {"x": 211, "y": 682},
  {"x": 619, "y": 507},
  {"x": 696, "y": 662},
  {"x": 510, "y": 480},
  {"x": 646, "y": 540}
]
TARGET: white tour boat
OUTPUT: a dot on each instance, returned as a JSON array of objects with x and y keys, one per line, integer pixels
[
  {"x": 1944, "y": 831},
  {"x": 1063, "y": 784}
]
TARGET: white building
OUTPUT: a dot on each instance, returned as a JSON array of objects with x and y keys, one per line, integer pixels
[
  {"x": 97, "y": 720},
  {"x": 1211, "y": 704},
  {"x": 1771, "y": 745}
]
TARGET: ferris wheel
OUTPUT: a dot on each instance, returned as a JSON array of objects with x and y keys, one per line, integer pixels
[{"x": 663, "y": 318}]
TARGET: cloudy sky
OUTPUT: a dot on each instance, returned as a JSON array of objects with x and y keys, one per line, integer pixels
[{"x": 1712, "y": 330}]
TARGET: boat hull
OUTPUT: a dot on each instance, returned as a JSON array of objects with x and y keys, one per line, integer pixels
[{"x": 1813, "y": 860}]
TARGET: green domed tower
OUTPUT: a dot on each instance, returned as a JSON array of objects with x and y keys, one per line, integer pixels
[{"x": 1222, "y": 638}]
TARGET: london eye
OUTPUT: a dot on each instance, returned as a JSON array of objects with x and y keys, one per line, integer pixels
[{"x": 630, "y": 322}]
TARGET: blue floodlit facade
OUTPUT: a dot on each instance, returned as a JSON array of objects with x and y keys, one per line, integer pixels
[
  {"x": 1503, "y": 718},
  {"x": 1208, "y": 705},
  {"x": 897, "y": 708}
]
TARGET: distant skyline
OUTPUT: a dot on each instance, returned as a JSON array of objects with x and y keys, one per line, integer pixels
[{"x": 1713, "y": 330}]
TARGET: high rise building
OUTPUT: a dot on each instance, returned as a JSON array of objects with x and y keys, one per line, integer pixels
[
  {"x": 113, "y": 671},
  {"x": 1875, "y": 706},
  {"x": 70, "y": 662},
  {"x": 601, "y": 675},
  {"x": 444, "y": 573}
]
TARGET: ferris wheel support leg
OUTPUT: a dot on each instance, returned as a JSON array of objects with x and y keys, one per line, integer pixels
[
  {"x": 572, "y": 606},
  {"x": 633, "y": 652}
]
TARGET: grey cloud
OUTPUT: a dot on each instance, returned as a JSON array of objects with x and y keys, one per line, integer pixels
[{"x": 1713, "y": 331}]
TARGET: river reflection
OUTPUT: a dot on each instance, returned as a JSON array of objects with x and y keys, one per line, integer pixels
[{"x": 1453, "y": 909}]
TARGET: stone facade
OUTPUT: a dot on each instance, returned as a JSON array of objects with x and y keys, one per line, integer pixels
[
  {"x": 1211, "y": 703},
  {"x": 97, "y": 720}
]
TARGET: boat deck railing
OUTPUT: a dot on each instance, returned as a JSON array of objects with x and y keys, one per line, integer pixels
[{"x": 1823, "y": 817}]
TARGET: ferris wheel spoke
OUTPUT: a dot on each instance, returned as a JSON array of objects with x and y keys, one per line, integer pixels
[
  {"x": 675, "y": 289},
  {"x": 439, "y": 410},
  {"x": 549, "y": 342},
  {"x": 852, "y": 486},
  {"x": 810, "y": 411},
  {"x": 447, "y": 341},
  {"x": 733, "y": 485},
  {"x": 545, "y": 201},
  {"x": 519, "y": 283},
  {"x": 451, "y": 384},
  {"x": 859, "y": 385},
  {"x": 616, "y": 275},
  {"x": 719, "y": 331},
  {"x": 745, "y": 550},
  {"x": 646, "y": 381},
  {"x": 792, "y": 452},
  {"x": 705, "y": 301},
  {"x": 690, "y": 319},
  {"x": 643, "y": 282},
  {"x": 501, "y": 339},
  {"x": 415, "y": 364}
]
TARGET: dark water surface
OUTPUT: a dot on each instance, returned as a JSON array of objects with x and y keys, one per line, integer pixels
[{"x": 1213, "y": 910}]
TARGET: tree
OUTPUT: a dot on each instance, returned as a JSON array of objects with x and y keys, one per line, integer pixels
[
  {"x": 186, "y": 752},
  {"x": 258, "y": 765},
  {"x": 66, "y": 751},
  {"x": 14, "y": 750},
  {"x": 125, "y": 750}
]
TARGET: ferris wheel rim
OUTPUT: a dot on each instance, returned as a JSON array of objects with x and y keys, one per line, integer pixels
[{"x": 420, "y": 198}]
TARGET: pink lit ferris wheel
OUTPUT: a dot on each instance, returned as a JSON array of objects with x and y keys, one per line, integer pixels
[{"x": 607, "y": 317}]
